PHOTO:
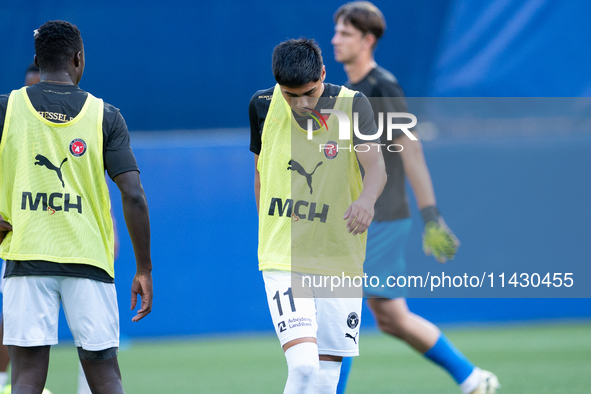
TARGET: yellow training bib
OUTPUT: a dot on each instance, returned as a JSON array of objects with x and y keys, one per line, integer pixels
[
  {"x": 306, "y": 187},
  {"x": 53, "y": 188}
]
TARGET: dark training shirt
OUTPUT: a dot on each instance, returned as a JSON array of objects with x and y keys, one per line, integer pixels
[{"x": 377, "y": 85}]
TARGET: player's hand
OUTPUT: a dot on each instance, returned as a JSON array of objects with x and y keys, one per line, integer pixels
[
  {"x": 142, "y": 285},
  {"x": 440, "y": 241},
  {"x": 360, "y": 214},
  {"x": 5, "y": 228}
]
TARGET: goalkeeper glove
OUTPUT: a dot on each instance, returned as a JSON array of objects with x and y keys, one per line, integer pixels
[{"x": 438, "y": 239}]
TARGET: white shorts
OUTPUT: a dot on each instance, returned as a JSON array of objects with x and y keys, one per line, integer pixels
[
  {"x": 334, "y": 322},
  {"x": 31, "y": 310}
]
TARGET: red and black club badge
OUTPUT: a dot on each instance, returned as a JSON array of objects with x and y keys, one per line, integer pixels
[
  {"x": 331, "y": 150},
  {"x": 77, "y": 147}
]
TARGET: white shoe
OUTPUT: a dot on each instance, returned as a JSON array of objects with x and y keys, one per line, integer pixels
[{"x": 489, "y": 383}]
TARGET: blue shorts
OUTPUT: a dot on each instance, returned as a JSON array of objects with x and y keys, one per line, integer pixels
[{"x": 384, "y": 257}]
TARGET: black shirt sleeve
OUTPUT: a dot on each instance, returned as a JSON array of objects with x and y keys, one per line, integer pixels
[
  {"x": 255, "y": 135},
  {"x": 257, "y": 112},
  {"x": 386, "y": 88},
  {"x": 117, "y": 152},
  {"x": 3, "y": 108},
  {"x": 389, "y": 97},
  {"x": 367, "y": 124}
]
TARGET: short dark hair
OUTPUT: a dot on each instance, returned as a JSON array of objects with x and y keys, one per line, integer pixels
[
  {"x": 32, "y": 68},
  {"x": 56, "y": 42},
  {"x": 364, "y": 16},
  {"x": 297, "y": 62}
]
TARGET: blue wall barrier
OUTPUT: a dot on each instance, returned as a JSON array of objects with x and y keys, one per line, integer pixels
[
  {"x": 504, "y": 199},
  {"x": 196, "y": 64}
]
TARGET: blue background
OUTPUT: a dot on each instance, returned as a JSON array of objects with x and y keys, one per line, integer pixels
[
  {"x": 194, "y": 65},
  {"x": 184, "y": 65}
]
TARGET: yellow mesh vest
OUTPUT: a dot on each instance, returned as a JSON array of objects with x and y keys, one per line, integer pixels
[
  {"x": 305, "y": 193},
  {"x": 53, "y": 188}
]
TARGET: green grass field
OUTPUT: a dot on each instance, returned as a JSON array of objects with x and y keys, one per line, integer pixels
[{"x": 527, "y": 359}]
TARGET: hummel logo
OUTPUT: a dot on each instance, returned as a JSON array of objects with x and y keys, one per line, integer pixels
[
  {"x": 44, "y": 161},
  {"x": 354, "y": 338},
  {"x": 295, "y": 166}
]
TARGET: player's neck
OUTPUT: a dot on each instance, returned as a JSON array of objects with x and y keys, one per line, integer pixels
[
  {"x": 61, "y": 77},
  {"x": 358, "y": 69}
]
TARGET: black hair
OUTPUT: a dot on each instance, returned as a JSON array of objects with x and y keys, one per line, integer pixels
[
  {"x": 364, "y": 16},
  {"x": 32, "y": 68},
  {"x": 56, "y": 42},
  {"x": 297, "y": 62}
]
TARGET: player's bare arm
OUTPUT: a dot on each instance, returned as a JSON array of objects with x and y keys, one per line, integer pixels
[
  {"x": 360, "y": 213},
  {"x": 137, "y": 218},
  {"x": 257, "y": 181},
  {"x": 415, "y": 169},
  {"x": 438, "y": 239},
  {"x": 5, "y": 227}
]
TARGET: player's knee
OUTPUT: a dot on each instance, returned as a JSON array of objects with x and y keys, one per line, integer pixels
[
  {"x": 302, "y": 363},
  {"x": 100, "y": 355},
  {"x": 305, "y": 371}
]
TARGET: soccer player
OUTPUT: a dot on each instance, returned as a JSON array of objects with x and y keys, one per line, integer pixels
[
  {"x": 56, "y": 141},
  {"x": 358, "y": 27},
  {"x": 32, "y": 75},
  {"x": 303, "y": 193}
]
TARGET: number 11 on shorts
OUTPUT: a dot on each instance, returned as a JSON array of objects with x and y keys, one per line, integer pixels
[{"x": 278, "y": 299}]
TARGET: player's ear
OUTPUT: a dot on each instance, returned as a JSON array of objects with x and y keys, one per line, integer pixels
[
  {"x": 370, "y": 40},
  {"x": 79, "y": 65},
  {"x": 35, "y": 60},
  {"x": 78, "y": 59},
  {"x": 323, "y": 75}
]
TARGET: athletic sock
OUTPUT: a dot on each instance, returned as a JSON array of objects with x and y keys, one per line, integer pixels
[
  {"x": 445, "y": 354},
  {"x": 328, "y": 377},
  {"x": 302, "y": 366},
  {"x": 344, "y": 375}
]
